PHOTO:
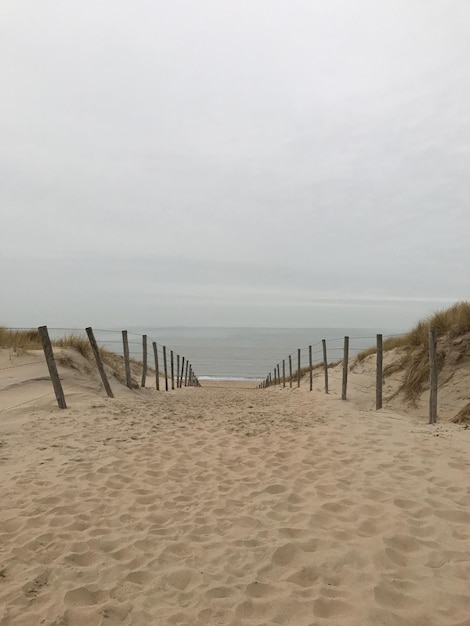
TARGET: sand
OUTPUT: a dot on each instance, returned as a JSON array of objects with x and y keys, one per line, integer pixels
[{"x": 226, "y": 505}]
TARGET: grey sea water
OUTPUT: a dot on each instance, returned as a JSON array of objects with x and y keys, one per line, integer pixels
[{"x": 245, "y": 353}]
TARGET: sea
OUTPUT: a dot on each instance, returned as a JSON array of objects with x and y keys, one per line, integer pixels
[{"x": 243, "y": 353}]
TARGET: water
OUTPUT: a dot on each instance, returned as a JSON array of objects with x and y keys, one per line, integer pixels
[{"x": 243, "y": 353}]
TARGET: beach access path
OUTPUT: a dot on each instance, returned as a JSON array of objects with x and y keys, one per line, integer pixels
[{"x": 231, "y": 505}]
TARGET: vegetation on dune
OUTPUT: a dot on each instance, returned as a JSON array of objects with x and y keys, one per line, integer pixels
[
  {"x": 24, "y": 339},
  {"x": 454, "y": 322},
  {"x": 306, "y": 369},
  {"x": 452, "y": 326},
  {"x": 411, "y": 359},
  {"x": 28, "y": 339},
  {"x": 76, "y": 342}
]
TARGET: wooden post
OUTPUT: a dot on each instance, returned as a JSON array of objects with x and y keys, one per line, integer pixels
[
  {"x": 127, "y": 363},
  {"x": 51, "y": 364},
  {"x": 310, "y": 362},
  {"x": 275, "y": 377},
  {"x": 99, "y": 362},
  {"x": 186, "y": 374},
  {"x": 432, "y": 377},
  {"x": 298, "y": 367},
  {"x": 177, "y": 371},
  {"x": 172, "y": 366},
  {"x": 182, "y": 371},
  {"x": 165, "y": 367},
  {"x": 157, "y": 373},
  {"x": 190, "y": 379},
  {"x": 278, "y": 375},
  {"x": 290, "y": 371},
  {"x": 283, "y": 373},
  {"x": 325, "y": 364},
  {"x": 345, "y": 369},
  {"x": 379, "y": 374},
  {"x": 144, "y": 360}
]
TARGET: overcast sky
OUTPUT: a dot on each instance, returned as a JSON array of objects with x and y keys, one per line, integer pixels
[{"x": 233, "y": 163}]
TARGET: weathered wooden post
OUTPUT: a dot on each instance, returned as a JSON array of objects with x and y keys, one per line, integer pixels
[
  {"x": 310, "y": 363},
  {"x": 127, "y": 363},
  {"x": 290, "y": 371},
  {"x": 157, "y": 373},
  {"x": 99, "y": 362},
  {"x": 278, "y": 375},
  {"x": 283, "y": 373},
  {"x": 299, "y": 374},
  {"x": 432, "y": 377},
  {"x": 325, "y": 364},
  {"x": 177, "y": 371},
  {"x": 186, "y": 374},
  {"x": 379, "y": 374},
  {"x": 172, "y": 365},
  {"x": 345, "y": 369},
  {"x": 165, "y": 367},
  {"x": 51, "y": 364},
  {"x": 144, "y": 360},
  {"x": 182, "y": 372}
]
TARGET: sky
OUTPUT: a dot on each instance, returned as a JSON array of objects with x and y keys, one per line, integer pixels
[{"x": 274, "y": 163}]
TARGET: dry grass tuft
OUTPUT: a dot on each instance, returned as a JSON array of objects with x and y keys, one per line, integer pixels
[
  {"x": 454, "y": 321},
  {"x": 76, "y": 342},
  {"x": 416, "y": 376},
  {"x": 19, "y": 340},
  {"x": 114, "y": 361},
  {"x": 414, "y": 362},
  {"x": 462, "y": 416},
  {"x": 28, "y": 339},
  {"x": 449, "y": 323},
  {"x": 389, "y": 344}
]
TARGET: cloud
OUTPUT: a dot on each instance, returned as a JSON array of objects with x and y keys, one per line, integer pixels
[{"x": 248, "y": 165}]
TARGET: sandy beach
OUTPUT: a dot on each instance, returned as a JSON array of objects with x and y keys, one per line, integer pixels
[{"x": 226, "y": 505}]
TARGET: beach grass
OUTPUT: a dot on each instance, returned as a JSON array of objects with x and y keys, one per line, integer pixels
[
  {"x": 413, "y": 360},
  {"x": 22, "y": 340}
]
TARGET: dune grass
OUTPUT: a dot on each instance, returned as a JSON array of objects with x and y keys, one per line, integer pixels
[
  {"x": 389, "y": 344},
  {"x": 306, "y": 370},
  {"x": 412, "y": 352},
  {"x": 23, "y": 339},
  {"x": 76, "y": 342},
  {"x": 453, "y": 321},
  {"x": 28, "y": 339},
  {"x": 448, "y": 323}
]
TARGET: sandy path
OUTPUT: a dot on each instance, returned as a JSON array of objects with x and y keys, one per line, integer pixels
[{"x": 232, "y": 506}]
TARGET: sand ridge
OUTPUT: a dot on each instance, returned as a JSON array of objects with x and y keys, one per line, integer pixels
[{"x": 234, "y": 506}]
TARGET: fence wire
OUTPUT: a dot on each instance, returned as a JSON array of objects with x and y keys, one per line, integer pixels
[{"x": 111, "y": 338}]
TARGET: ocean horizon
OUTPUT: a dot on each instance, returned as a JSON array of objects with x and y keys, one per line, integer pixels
[{"x": 243, "y": 353}]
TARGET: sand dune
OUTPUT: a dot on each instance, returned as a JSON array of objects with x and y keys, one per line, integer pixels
[{"x": 230, "y": 505}]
